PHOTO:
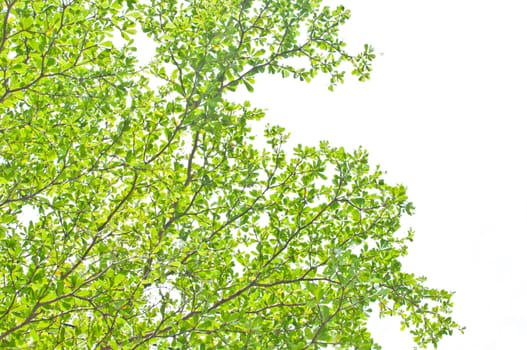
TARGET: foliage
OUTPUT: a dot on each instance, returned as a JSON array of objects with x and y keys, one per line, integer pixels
[{"x": 158, "y": 221}]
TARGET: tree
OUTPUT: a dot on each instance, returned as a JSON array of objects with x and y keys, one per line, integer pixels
[{"x": 158, "y": 220}]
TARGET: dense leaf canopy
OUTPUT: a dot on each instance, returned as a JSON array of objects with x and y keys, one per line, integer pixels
[{"x": 138, "y": 210}]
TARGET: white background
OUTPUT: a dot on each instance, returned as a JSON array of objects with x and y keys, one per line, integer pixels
[{"x": 444, "y": 115}]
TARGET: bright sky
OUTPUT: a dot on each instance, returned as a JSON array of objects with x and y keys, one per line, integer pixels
[{"x": 444, "y": 115}]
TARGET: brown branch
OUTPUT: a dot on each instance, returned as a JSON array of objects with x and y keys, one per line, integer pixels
[
  {"x": 101, "y": 227},
  {"x": 4, "y": 26}
]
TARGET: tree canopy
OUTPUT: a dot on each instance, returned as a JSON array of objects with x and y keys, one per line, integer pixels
[{"x": 139, "y": 211}]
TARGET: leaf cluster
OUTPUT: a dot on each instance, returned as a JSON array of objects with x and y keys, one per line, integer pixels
[{"x": 160, "y": 222}]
